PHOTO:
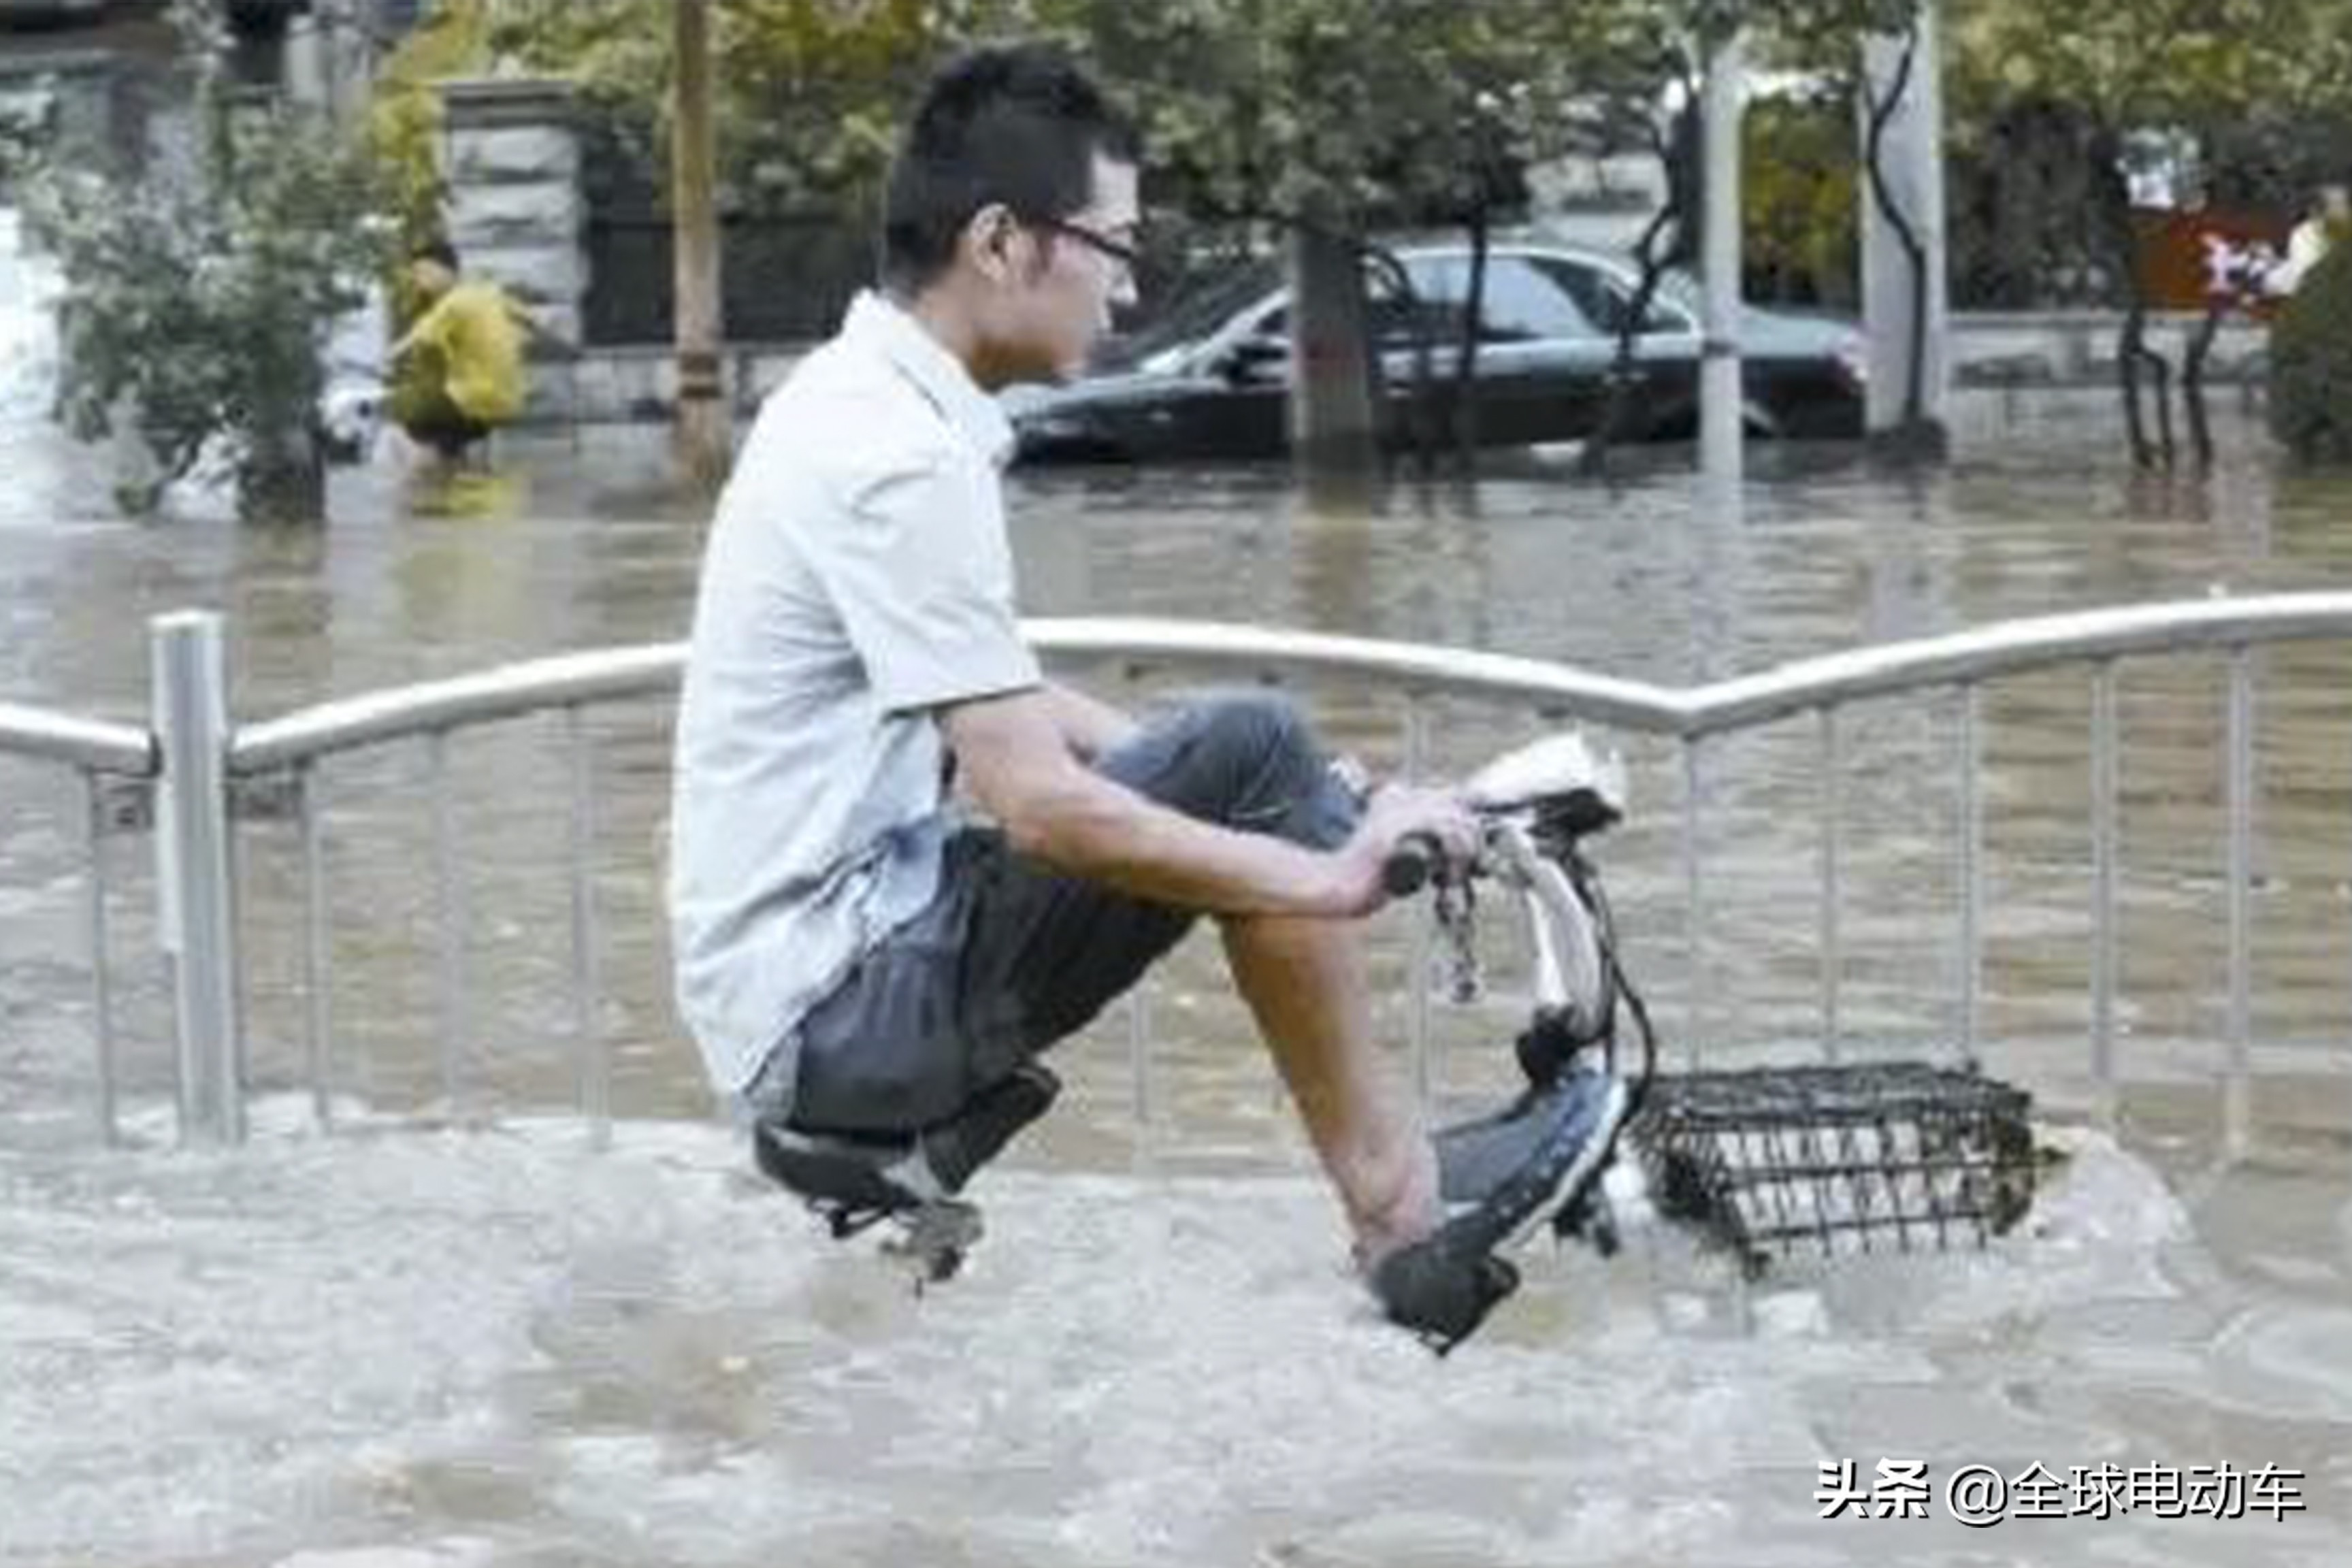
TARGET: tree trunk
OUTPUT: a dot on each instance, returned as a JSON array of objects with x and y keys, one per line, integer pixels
[
  {"x": 282, "y": 479},
  {"x": 1466, "y": 360},
  {"x": 702, "y": 432},
  {"x": 2132, "y": 352},
  {"x": 1333, "y": 429},
  {"x": 2192, "y": 383}
]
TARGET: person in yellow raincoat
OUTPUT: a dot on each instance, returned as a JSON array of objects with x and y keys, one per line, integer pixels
[{"x": 457, "y": 371}]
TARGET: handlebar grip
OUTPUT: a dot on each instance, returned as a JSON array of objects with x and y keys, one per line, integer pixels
[{"x": 1410, "y": 865}]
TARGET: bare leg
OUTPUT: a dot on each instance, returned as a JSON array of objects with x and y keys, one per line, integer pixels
[{"x": 1304, "y": 981}]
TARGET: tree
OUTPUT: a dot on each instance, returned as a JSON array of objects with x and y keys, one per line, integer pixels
[
  {"x": 1800, "y": 189},
  {"x": 808, "y": 105},
  {"x": 196, "y": 299},
  {"x": 2311, "y": 363},
  {"x": 2202, "y": 69},
  {"x": 1329, "y": 120},
  {"x": 1321, "y": 119}
]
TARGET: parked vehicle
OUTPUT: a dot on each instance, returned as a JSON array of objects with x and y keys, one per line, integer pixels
[
  {"x": 1211, "y": 378},
  {"x": 47, "y": 13}
]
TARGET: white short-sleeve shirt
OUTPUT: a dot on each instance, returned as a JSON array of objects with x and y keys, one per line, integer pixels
[{"x": 857, "y": 579}]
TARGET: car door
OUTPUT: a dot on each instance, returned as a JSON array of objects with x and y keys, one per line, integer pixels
[
  {"x": 1541, "y": 358},
  {"x": 1416, "y": 326},
  {"x": 1243, "y": 409},
  {"x": 1665, "y": 394}
]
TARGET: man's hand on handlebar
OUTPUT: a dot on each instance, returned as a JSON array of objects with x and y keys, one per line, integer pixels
[{"x": 1407, "y": 825}]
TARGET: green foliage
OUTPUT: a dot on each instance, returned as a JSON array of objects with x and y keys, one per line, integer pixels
[
  {"x": 20, "y": 138},
  {"x": 2046, "y": 104},
  {"x": 1354, "y": 113},
  {"x": 809, "y": 91},
  {"x": 2311, "y": 362},
  {"x": 1341, "y": 111},
  {"x": 404, "y": 115},
  {"x": 2209, "y": 67},
  {"x": 194, "y": 303},
  {"x": 1798, "y": 218}
]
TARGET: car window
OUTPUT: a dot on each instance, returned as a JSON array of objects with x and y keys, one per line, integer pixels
[
  {"x": 1521, "y": 304},
  {"x": 1605, "y": 299},
  {"x": 1527, "y": 300},
  {"x": 1433, "y": 314},
  {"x": 1196, "y": 313},
  {"x": 1388, "y": 314},
  {"x": 1525, "y": 304}
]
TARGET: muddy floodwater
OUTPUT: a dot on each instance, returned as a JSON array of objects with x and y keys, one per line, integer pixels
[{"x": 451, "y": 1332}]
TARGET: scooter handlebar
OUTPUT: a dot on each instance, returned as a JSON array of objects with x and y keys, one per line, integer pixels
[{"x": 1411, "y": 864}]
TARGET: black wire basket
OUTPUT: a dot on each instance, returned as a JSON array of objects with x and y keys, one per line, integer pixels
[{"x": 1784, "y": 1161}]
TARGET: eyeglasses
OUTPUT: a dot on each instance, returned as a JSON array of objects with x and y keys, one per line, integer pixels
[{"x": 1127, "y": 255}]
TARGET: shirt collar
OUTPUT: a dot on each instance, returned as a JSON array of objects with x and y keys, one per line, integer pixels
[{"x": 937, "y": 374}]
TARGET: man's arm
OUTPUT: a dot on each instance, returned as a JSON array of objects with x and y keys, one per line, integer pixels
[
  {"x": 1013, "y": 756},
  {"x": 1090, "y": 727}
]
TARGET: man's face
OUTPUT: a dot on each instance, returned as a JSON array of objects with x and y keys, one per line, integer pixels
[{"x": 1068, "y": 275}]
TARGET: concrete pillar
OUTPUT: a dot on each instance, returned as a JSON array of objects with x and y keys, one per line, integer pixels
[
  {"x": 1911, "y": 158},
  {"x": 510, "y": 155},
  {"x": 327, "y": 58}
]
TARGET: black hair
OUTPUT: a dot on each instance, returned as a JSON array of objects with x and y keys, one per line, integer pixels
[
  {"x": 1017, "y": 124},
  {"x": 439, "y": 250}
]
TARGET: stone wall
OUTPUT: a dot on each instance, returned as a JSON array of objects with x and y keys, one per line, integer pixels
[
  {"x": 510, "y": 156},
  {"x": 2077, "y": 348},
  {"x": 639, "y": 383}
]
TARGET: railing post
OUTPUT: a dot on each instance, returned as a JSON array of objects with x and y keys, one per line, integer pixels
[{"x": 190, "y": 698}]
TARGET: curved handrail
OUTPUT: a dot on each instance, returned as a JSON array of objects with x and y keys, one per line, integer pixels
[
  {"x": 1419, "y": 669},
  {"x": 2014, "y": 648},
  {"x": 88, "y": 743},
  {"x": 506, "y": 691},
  {"x": 515, "y": 690}
]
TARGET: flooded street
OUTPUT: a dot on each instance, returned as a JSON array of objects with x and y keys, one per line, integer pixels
[{"x": 439, "y": 1346}]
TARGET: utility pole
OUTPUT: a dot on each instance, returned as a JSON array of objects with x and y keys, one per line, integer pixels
[
  {"x": 1720, "y": 396},
  {"x": 703, "y": 434}
]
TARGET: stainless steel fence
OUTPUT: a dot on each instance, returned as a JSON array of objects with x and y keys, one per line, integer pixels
[
  {"x": 106, "y": 757},
  {"x": 206, "y": 763}
]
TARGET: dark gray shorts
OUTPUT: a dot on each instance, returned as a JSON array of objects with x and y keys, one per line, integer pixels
[{"x": 1012, "y": 955}]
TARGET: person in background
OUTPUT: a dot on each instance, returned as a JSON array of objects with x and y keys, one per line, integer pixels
[{"x": 457, "y": 372}]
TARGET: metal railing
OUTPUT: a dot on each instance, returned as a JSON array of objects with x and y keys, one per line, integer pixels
[
  {"x": 99, "y": 754},
  {"x": 204, "y": 762}
]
